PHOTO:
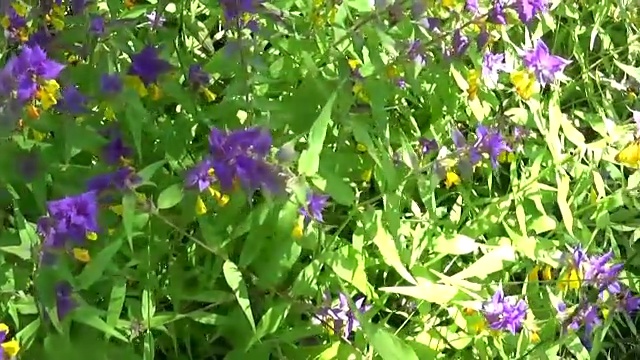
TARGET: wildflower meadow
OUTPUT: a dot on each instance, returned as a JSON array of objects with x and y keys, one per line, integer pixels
[{"x": 309, "y": 179}]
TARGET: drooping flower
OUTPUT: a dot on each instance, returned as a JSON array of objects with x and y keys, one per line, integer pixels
[
  {"x": 545, "y": 66},
  {"x": 65, "y": 303},
  {"x": 8, "y": 348},
  {"x": 201, "y": 175},
  {"x": 528, "y": 9},
  {"x": 241, "y": 155},
  {"x": 155, "y": 20},
  {"x": 198, "y": 77},
  {"x": 490, "y": 141},
  {"x": 603, "y": 275},
  {"x": 314, "y": 207},
  {"x": 505, "y": 312},
  {"x": 416, "y": 52},
  {"x": 73, "y": 101},
  {"x": 472, "y": 6},
  {"x": 492, "y": 64},
  {"x": 148, "y": 66},
  {"x": 234, "y": 10},
  {"x": 28, "y": 68},
  {"x": 460, "y": 43},
  {"x": 111, "y": 83},
  {"x": 97, "y": 25},
  {"x": 496, "y": 13},
  {"x": 71, "y": 218},
  {"x": 116, "y": 150},
  {"x": 342, "y": 318},
  {"x": 483, "y": 38},
  {"x": 427, "y": 145}
]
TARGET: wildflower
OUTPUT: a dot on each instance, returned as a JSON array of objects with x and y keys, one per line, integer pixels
[
  {"x": 123, "y": 178},
  {"x": 314, "y": 207},
  {"x": 471, "y": 6},
  {"x": 148, "y": 66},
  {"x": 29, "y": 67},
  {"x": 545, "y": 66},
  {"x": 432, "y": 24},
  {"x": 115, "y": 151},
  {"x": 470, "y": 154},
  {"x": 416, "y": 52},
  {"x": 73, "y": 101},
  {"x": 460, "y": 43},
  {"x": 198, "y": 77},
  {"x": 70, "y": 218},
  {"x": 524, "y": 82},
  {"x": 78, "y": 6},
  {"x": 527, "y": 9},
  {"x": 472, "y": 81},
  {"x": 451, "y": 179},
  {"x": 201, "y": 175},
  {"x": 81, "y": 255},
  {"x": 342, "y": 317},
  {"x": 48, "y": 94},
  {"x": 234, "y": 10},
  {"x": 8, "y": 349},
  {"x": 97, "y": 25},
  {"x": 496, "y": 14},
  {"x": 483, "y": 38},
  {"x": 155, "y": 20},
  {"x": 504, "y": 313},
  {"x": 110, "y": 83},
  {"x": 585, "y": 316},
  {"x": 65, "y": 303},
  {"x": 15, "y": 23},
  {"x": 491, "y": 142},
  {"x": 603, "y": 275},
  {"x": 627, "y": 302},
  {"x": 241, "y": 155},
  {"x": 492, "y": 64},
  {"x": 427, "y": 145}
]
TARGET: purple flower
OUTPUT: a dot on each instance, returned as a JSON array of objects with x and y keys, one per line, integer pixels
[
  {"x": 603, "y": 275},
  {"x": 234, "y": 10},
  {"x": 41, "y": 37},
  {"x": 492, "y": 64},
  {"x": 65, "y": 302},
  {"x": 314, "y": 207},
  {"x": 155, "y": 20},
  {"x": 545, "y": 66},
  {"x": 460, "y": 43},
  {"x": 241, "y": 155},
  {"x": 148, "y": 66},
  {"x": 491, "y": 142},
  {"x": 78, "y": 6},
  {"x": 585, "y": 316},
  {"x": 123, "y": 178},
  {"x": 343, "y": 316},
  {"x": 72, "y": 101},
  {"x": 527, "y": 9},
  {"x": 432, "y": 24},
  {"x": 70, "y": 218},
  {"x": 505, "y": 313},
  {"x": 97, "y": 25},
  {"x": 483, "y": 38},
  {"x": 416, "y": 52},
  {"x": 627, "y": 302},
  {"x": 110, "y": 84},
  {"x": 30, "y": 66},
  {"x": 427, "y": 145},
  {"x": 201, "y": 175},
  {"x": 471, "y": 6},
  {"x": 198, "y": 77},
  {"x": 496, "y": 13}
]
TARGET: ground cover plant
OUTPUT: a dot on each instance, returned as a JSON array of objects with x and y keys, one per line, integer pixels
[{"x": 342, "y": 179}]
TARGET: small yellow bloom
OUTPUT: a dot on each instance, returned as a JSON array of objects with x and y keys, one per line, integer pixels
[
  {"x": 534, "y": 337},
  {"x": 208, "y": 94},
  {"x": 201, "y": 208},
  {"x": 469, "y": 311},
  {"x": 221, "y": 199},
  {"x": 11, "y": 348},
  {"x": 631, "y": 96},
  {"x": 358, "y": 90},
  {"x": 92, "y": 236},
  {"x": 571, "y": 280},
  {"x": 32, "y": 111},
  {"x": 451, "y": 179},
  {"x": 366, "y": 175},
  {"x": 20, "y": 8},
  {"x": 524, "y": 82},
  {"x": 4, "y": 329},
  {"x": 547, "y": 273},
  {"x": 354, "y": 63},
  {"x": 361, "y": 148},
  {"x": 533, "y": 275},
  {"x": 129, "y": 3},
  {"x": 473, "y": 78},
  {"x": 155, "y": 91},
  {"x": 136, "y": 83},
  {"x": 449, "y": 3},
  {"x": 298, "y": 228},
  {"x": 506, "y": 157},
  {"x": 81, "y": 255}
]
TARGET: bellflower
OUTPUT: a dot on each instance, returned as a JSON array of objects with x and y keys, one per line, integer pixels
[
  {"x": 460, "y": 43},
  {"x": 492, "y": 64},
  {"x": 627, "y": 302},
  {"x": 198, "y": 77},
  {"x": 472, "y": 6},
  {"x": 73, "y": 101},
  {"x": 148, "y": 66},
  {"x": 70, "y": 218},
  {"x": 427, "y": 145},
  {"x": 115, "y": 150},
  {"x": 29, "y": 67},
  {"x": 505, "y": 313},
  {"x": 491, "y": 142},
  {"x": 343, "y": 316},
  {"x": 527, "y": 9},
  {"x": 123, "y": 178},
  {"x": 314, "y": 207},
  {"x": 603, "y": 275},
  {"x": 241, "y": 155},
  {"x": 65, "y": 302},
  {"x": 416, "y": 52},
  {"x": 496, "y": 13},
  {"x": 545, "y": 66},
  {"x": 110, "y": 83},
  {"x": 201, "y": 175},
  {"x": 97, "y": 25},
  {"x": 235, "y": 9}
]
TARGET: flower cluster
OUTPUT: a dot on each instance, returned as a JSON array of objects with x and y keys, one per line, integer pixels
[
  {"x": 8, "y": 349},
  {"x": 505, "y": 312},
  {"x": 238, "y": 156},
  {"x": 341, "y": 318}
]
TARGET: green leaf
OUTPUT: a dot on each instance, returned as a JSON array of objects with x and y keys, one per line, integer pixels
[
  {"x": 387, "y": 246},
  {"x": 147, "y": 173},
  {"x": 270, "y": 321},
  {"x": 310, "y": 158},
  {"x": 128, "y": 215},
  {"x": 234, "y": 278},
  {"x": 116, "y": 302},
  {"x": 170, "y": 196},
  {"x": 433, "y": 293},
  {"x": 563, "y": 182},
  {"x": 488, "y": 264},
  {"x": 88, "y": 316},
  {"x": 634, "y": 72},
  {"x": 388, "y": 345},
  {"x": 348, "y": 264},
  {"x": 93, "y": 271},
  {"x": 458, "y": 245}
]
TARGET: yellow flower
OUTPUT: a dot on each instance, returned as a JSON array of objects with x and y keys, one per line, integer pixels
[
  {"x": 451, "y": 179},
  {"x": 208, "y": 94},
  {"x": 366, "y": 175},
  {"x": 534, "y": 337},
  {"x": 506, "y": 157},
  {"x": 473, "y": 78},
  {"x": 201, "y": 208},
  {"x": 155, "y": 91},
  {"x": 92, "y": 236},
  {"x": 5, "y": 22},
  {"x": 449, "y": 3},
  {"x": 298, "y": 228},
  {"x": 221, "y": 199},
  {"x": 361, "y": 148},
  {"x": 81, "y": 255},
  {"x": 136, "y": 83},
  {"x": 20, "y": 8},
  {"x": 11, "y": 348},
  {"x": 354, "y": 63},
  {"x": 358, "y": 90},
  {"x": 524, "y": 82},
  {"x": 570, "y": 280},
  {"x": 32, "y": 111}
]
